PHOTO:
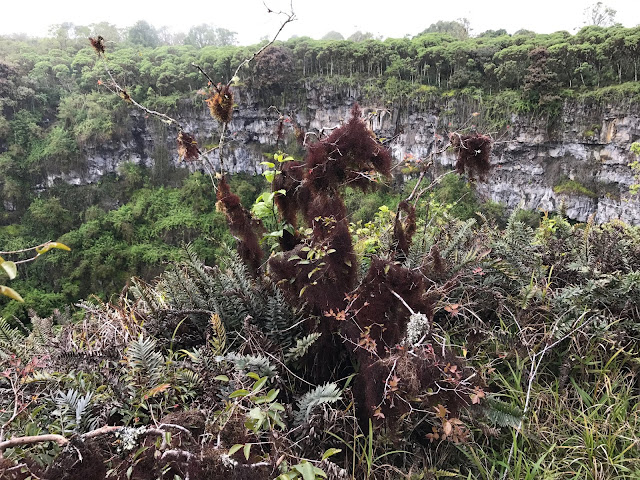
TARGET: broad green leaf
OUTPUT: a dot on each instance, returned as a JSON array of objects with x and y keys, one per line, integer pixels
[
  {"x": 247, "y": 451},
  {"x": 271, "y": 396},
  {"x": 49, "y": 245},
  {"x": 276, "y": 234},
  {"x": 268, "y": 164},
  {"x": 239, "y": 393},
  {"x": 269, "y": 175},
  {"x": 329, "y": 452},
  {"x": 306, "y": 470},
  {"x": 10, "y": 268},
  {"x": 253, "y": 375},
  {"x": 277, "y": 407},
  {"x": 259, "y": 384},
  {"x": 235, "y": 448},
  {"x": 319, "y": 472},
  {"x": 221, "y": 378},
  {"x": 11, "y": 293},
  {"x": 288, "y": 476}
]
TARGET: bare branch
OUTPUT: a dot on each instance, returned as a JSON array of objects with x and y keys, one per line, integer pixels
[
  {"x": 291, "y": 16},
  {"x": 14, "y": 442},
  {"x": 121, "y": 92},
  {"x": 193, "y": 64}
]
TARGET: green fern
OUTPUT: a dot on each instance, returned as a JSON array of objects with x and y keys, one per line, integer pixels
[
  {"x": 463, "y": 233},
  {"x": 73, "y": 410},
  {"x": 302, "y": 347},
  {"x": 327, "y": 393},
  {"x": 444, "y": 474},
  {"x": 146, "y": 364},
  {"x": 252, "y": 363},
  {"x": 12, "y": 340},
  {"x": 502, "y": 414}
]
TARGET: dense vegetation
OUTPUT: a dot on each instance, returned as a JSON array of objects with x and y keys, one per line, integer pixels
[
  {"x": 534, "y": 328},
  {"x": 358, "y": 332},
  {"x": 53, "y": 112}
]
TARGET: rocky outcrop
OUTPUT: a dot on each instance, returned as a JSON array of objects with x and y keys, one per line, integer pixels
[{"x": 532, "y": 158}]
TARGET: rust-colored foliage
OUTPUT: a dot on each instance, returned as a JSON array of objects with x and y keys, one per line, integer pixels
[
  {"x": 417, "y": 372},
  {"x": 279, "y": 131},
  {"x": 299, "y": 134},
  {"x": 242, "y": 225},
  {"x": 296, "y": 197},
  {"x": 347, "y": 156},
  {"x": 382, "y": 312},
  {"x": 187, "y": 146},
  {"x": 473, "y": 153},
  {"x": 221, "y": 103},
  {"x": 322, "y": 283},
  {"x": 290, "y": 180},
  {"x": 403, "y": 232},
  {"x": 97, "y": 44},
  {"x": 433, "y": 265}
]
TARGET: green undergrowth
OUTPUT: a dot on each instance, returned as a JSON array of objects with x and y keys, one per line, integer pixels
[
  {"x": 110, "y": 245},
  {"x": 573, "y": 187},
  {"x": 544, "y": 316}
]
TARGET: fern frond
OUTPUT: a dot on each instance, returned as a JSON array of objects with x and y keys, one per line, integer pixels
[
  {"x": 218, "y": 340},
  {"x": 502, "y": 414},
  {"x": 12, "y": 340},
  {"x": 279, "y": 319},
  {"x": 327, "y": 393},
  {"x": 252, "y": 363},
  {"x": 73, "y": 407},
  {"x": 462, "y": 234},
  {"x": 188, "y": 378},
  {"x": 302, "y": 347},
  {"x": 444, "y": 474},
  {"x": 43, "y": 377},
  {"x": 144, "y": 361}
]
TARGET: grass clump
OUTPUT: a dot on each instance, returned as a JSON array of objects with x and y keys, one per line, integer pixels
[{"x": 573, "y": 187}]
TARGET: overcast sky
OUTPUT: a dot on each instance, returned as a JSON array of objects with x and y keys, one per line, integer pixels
[{"x": 249, "y": 18}]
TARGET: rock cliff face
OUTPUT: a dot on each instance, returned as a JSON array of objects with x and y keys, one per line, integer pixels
[{"x": 588, "y": 145}]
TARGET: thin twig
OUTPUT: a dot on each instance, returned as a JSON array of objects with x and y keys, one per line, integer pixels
[
  {"x": 536, "y": 361},
  {"x": 291, "y": 16},
  {"x": 119, "y": 90},
  {"x": 193, "y": 64}
]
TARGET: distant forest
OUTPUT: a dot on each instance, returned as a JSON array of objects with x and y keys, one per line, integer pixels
[
  {"x": 52, "y": 102},
  {"x": 53, "y": 108}
]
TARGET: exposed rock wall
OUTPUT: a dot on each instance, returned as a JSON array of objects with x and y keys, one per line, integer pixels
[{"x": 588, "y": 144}]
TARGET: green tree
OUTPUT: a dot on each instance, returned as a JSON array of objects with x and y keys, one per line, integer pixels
[
  {"x": 205, "y": 35},
  {"x": 457, "y": 29},
  {"x": 332, "y": 35},
  {"x": 360, "y": 36},
  {"x": 599, "y": 15},
  {"x": 144, "y": 34},
  {"x": 107, "y": 30},
  {"x": 540, "y": 82}
]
